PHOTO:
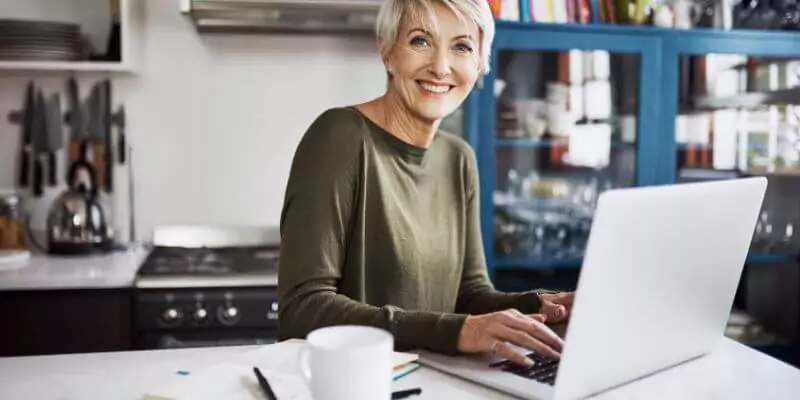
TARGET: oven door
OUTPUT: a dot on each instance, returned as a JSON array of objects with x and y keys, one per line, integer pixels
[{"x": 193, "y": 339}]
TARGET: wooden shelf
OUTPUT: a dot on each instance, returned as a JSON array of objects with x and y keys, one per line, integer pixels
[{"x": 66, "y": 66}]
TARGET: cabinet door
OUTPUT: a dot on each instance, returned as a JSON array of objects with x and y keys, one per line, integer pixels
[
  {"x": 564, "y": 125},
  {"x": 739, "y": 115}
]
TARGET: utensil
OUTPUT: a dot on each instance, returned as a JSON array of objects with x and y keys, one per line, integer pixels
[
  {"x": 76, "y": 118},
  {"x": 39, "y": 140},
  {"x": 95, "y": 129},
  {"x": 348, "y": 362},
  {"x": 55, "y": 139},
  {"x": 108, "y": 142},
  {"x": 119, "y": 120},
  {"x": 26, "y": 149}
]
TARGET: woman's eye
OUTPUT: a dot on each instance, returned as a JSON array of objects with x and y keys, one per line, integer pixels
[
  {"x": 419, "y": 42},
  {"x": 463, "y": 48}
]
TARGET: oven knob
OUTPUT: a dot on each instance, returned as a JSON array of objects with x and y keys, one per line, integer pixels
[
  {"x": 228, "y": 315},
  {"x": 171, "y": 315},
  {"x": 199, "y": 314}
]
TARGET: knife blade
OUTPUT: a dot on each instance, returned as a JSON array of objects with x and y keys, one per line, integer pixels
[
  {"x": 39, "y": 140},
  {"x": 55, "y": 139},
  {"x": 96, "y": 135},
  {"x": 108, "y": 141},
  {"x": 27, "y": 128},
  {"x": 76, "y": 118}
]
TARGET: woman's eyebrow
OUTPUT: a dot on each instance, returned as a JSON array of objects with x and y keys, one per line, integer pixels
[{"x": 418, "y": 30}]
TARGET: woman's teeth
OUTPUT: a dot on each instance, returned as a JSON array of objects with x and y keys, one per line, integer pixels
[{"x": 437, "y": 89}]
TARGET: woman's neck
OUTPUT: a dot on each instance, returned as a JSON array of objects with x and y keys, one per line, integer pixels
[{"x": 398, "y": 120}]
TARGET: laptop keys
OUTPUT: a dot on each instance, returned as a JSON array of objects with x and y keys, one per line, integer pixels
[{"x": 544, "y": 370}]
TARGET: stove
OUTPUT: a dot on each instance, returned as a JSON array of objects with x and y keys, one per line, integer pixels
[{"x": 207, "y": 286}]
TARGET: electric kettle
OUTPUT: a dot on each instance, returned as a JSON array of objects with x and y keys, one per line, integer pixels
[{"x": 76, "y": 223}]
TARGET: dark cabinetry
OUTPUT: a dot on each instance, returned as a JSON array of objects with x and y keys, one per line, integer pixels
[{"x": 65, "y": 321}]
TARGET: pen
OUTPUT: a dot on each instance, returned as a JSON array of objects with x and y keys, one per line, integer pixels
[
  {"x": 406, "y": 393},
  {"x": 264, "y": 385}
]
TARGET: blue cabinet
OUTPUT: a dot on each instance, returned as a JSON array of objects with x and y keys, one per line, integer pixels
[{"x": 571, "y": 110}]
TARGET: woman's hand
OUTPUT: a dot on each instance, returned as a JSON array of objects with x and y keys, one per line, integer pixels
[
  {"x": 492, "y": 333},
  {"x": 556, "y": 307}
]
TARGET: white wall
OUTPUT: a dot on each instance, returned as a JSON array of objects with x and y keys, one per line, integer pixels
[{"x": 214, "y": 120}]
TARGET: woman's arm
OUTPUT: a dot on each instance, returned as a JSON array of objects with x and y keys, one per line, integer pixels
[
  {"x": 476, "y": 293},
  {"x": 314, "y": 230}
]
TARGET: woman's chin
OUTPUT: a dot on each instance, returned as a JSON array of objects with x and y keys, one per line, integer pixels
[{"x": 434, "y": 113}]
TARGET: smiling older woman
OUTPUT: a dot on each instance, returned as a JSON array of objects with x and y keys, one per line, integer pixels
[{"x": 380, "y": 224}]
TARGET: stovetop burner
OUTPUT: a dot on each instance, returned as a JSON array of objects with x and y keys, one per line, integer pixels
[{"x": 210, "y": 261}]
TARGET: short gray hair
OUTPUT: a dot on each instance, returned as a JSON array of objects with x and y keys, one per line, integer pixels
[{"x": 476, "y": 11}]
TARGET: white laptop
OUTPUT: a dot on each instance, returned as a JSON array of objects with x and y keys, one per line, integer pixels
[{"x": 656, "y": 288}]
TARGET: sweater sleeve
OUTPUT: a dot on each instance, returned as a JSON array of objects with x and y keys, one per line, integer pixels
[
  {"x": 320, "y": 195},
  {"x": 476, "y": 292}
]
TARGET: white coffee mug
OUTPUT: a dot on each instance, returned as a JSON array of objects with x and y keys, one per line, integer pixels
[{"x": 348, "y": 362}]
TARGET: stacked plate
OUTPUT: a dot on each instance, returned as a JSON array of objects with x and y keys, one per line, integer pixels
[{"x": 39, "y": 41}]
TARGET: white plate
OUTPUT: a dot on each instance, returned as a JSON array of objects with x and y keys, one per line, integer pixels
[{"x": 14, "y": 259}]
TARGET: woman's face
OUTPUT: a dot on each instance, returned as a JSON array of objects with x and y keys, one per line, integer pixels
[{"x": 434, "y": 66}]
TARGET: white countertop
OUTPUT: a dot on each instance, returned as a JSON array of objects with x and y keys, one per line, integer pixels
[
  {"x": 732, "y": 371},
  {"x": 45, "y": 272}
]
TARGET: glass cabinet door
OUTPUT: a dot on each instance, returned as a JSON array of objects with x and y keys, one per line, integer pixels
[
  {"x": 565, "y": 131},
  {"x": 739, "y": 115}
]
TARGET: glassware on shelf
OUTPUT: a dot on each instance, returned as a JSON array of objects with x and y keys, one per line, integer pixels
[{"x": 546, "y": 219}]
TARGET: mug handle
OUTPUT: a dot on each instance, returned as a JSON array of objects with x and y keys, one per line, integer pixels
[{"x": 303, "y": 361}]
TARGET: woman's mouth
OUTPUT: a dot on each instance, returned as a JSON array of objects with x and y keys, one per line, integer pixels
[{"x": 434, "y": 88}]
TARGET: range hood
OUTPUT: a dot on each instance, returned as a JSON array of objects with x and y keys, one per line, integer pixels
[{"x": 331, "y": 16}]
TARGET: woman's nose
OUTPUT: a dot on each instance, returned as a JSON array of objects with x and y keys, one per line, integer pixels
[{"x": 440, "y": 65}]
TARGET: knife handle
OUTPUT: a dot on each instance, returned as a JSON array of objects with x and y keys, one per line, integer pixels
[
  {"x": 122, "y": 148},
  {"x": 51, "y": 169},
  {"x": 25, "y": 168},
  {"x": 99, "y": 162},
  {"x": 38, "y": 178}
]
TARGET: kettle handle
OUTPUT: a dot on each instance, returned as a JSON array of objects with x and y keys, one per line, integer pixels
[{"x": 72, "y": 175}]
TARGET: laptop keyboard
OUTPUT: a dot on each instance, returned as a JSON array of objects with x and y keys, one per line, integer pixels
[{"x": 544, "y": 370}]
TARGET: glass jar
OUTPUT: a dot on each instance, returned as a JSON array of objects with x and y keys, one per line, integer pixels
[{"x": 12, "y": 226}]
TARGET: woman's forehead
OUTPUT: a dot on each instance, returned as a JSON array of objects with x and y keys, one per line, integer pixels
[{"x": 438, "y": 19}]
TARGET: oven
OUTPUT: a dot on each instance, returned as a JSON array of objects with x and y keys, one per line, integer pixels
[
  {"x": 207, "y": 286},
  {"x": 205, "y": 317}
]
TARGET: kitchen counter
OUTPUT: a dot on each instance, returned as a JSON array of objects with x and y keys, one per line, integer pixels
[
  {"x": 731, "y": 371},
  {"x": 45, "y": 272}
]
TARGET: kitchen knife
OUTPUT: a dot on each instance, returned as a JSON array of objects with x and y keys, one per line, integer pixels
[
  {"x": 95, "y": 132},
  {"x": 55, "y": 139},
  {"x": 27, "y": 128},
  {"x": 76, "y": 118},
  {"x": 122, "y": 141},
  {"x": 39, "y": 140},
  {"x": 108, "y": 141}
]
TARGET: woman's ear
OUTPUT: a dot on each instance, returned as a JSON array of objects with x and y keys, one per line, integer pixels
[{"x": 384, "y": 52}]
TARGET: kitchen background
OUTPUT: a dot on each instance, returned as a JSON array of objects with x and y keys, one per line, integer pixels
[
  {"x": 576, "y": 104},
  {"x": 213, "y": 120}
]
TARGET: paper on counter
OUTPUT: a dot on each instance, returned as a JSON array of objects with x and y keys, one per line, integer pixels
[{"x": 230, "y": 381}]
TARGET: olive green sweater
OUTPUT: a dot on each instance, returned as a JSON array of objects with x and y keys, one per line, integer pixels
[{"x": 375, "y": 231}]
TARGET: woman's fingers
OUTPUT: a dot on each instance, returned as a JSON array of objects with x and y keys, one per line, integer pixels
[
  {"x": 525, "y": 340},
  {"x": 554, "y": 312},
  {"x": 503, "y": 350},
  {"x": 536, "y": 329}
]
